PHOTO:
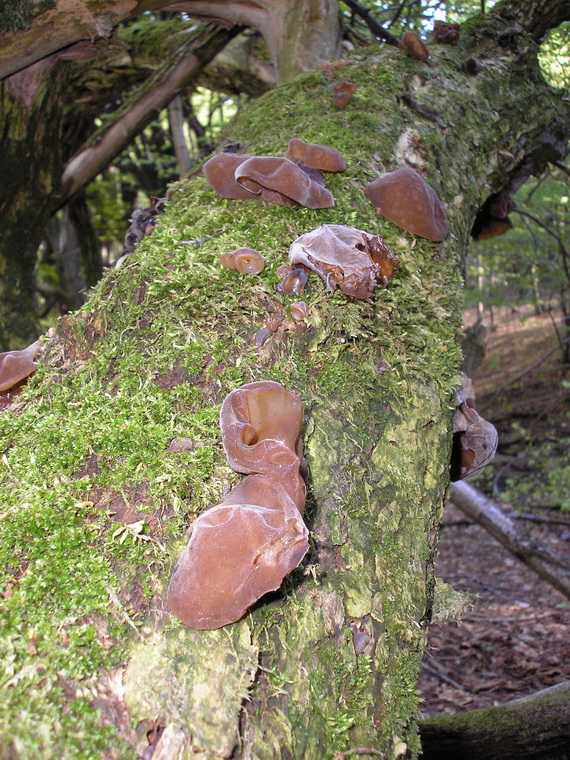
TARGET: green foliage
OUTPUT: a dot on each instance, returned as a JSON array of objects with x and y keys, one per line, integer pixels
[
  {"x": 554, "y": 57},
  {"x": 545, "y": 478}
]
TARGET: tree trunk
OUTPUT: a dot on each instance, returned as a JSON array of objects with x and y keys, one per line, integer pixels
[
  {"x": 96, "y": 504},
  {"x": 533, "y": 730}
]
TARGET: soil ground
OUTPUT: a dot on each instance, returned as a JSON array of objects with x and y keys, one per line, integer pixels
[{"x": 516, "y": 638}]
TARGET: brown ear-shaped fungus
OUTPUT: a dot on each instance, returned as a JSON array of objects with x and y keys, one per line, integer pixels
[
  {"x": 261, "y": 431},
  {"x": 342, "y": 93},
  {"x": 474, "y": 438},
  {"x": 293, "y": 282},
  {"x": 299, "y": 311},
  {"x": 318, "y": 156},
  {"x": 243, "y": 260},
  {"x": 281, "y": 181},
  {"x": 345, "y": 257},
  {"x": 444, "y": 32},
  {"x": 236, "y": 554},
  {"x": 412, "y": 43},
  {"x": 16, "y": 366},
  {"x": 219, "y": 172},
  {"x": 406, "y": 199},
  {"x": 15, "y": 369},
  {"x": 492, "y": 218},
  {"x": 245, "y": 546}
]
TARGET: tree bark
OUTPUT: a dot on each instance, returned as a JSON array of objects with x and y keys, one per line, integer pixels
[
  {"x": 532, "y": 730},
  {"x": 96, "y": 505}
]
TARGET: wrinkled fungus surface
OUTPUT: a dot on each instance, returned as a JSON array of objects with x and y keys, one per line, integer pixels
[
  {"x": 321, "y": 157},
  {"x": 243, "y": 260},
  {"x": 345, "y": 257},
  {"x": 16, "y": 366},
  {"x": 243, "y": 548},
  {"x": 280, "y": 181},
  {"x": 475, "y": 439},
  {"x": 219, "y": 172},
  {"x": 406, "y": 199}
]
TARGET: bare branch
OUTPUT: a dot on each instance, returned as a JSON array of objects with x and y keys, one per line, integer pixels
[
  {"x": 375, "y": 27},
  {"x": 186, "y": 63},
  {"x": 511, "y": 536}
]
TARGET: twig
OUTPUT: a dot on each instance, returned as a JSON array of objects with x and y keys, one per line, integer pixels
[
  {"x": 526, "y": 371},
  {"x": 562, "y": 168},
  {"x": 534, "y": 518},
  {"x": 359, "y": 751},
  {"x": 375, "y": 27},
  {"x": 443, "y": 677},
  {"x": 200, "y": 241},
  {"x": 500, "y": 526}
]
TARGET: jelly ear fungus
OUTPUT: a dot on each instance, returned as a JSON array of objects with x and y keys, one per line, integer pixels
[{"x": 243, "y": 548}]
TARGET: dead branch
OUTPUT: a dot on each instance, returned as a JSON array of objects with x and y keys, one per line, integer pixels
[
  {"x": 511, "y": 536},
  {"x": 375, "y": 27},
  {"x": 186, "y": 63}
]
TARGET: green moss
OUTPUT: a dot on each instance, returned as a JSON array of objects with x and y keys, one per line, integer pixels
[
  {"x": 18, "y": 15},
  {"x": 159, "y": 344}
]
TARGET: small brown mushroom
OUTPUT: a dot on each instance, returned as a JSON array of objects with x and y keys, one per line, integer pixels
[
  {"x": 475, "y": 439},
  {"x": 293, "y": 282},
  {"x": 445, "y": 32},
  {"x": 321, "y": 157},
  {"x": 406, "y": 199},
  {"x": 299, "y": 311},
  {"x": 345, "y": 257},
  {"x": 412, "y": 43},
  {"x": 243, "y": 260},
  {"x": 342, "y": 93},
  {"x": 492, "y": 218},
  {"x": 281, "y": 181},
  {"x": 219, "y": 172}
]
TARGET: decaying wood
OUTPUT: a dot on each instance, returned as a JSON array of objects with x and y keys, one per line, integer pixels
[
  {"x": 511, "y": 536},
  {"x": 536, "y": 729}
]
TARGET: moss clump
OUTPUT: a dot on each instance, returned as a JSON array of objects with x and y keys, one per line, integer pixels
[{"x": 18, "y": 15}]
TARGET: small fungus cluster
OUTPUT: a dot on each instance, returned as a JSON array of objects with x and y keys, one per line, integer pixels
[
  {"x": 15, "y": 369},
  {"x": 345, "y": 257},
  {"x": 291, "y": 180},
  {"x": 243, "y": 548},
  {"x": 446, "y": 32},
  {"x": 474, "y": 438}
]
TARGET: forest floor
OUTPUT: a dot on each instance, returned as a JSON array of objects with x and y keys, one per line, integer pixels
[{"x": 516, "y": 639}]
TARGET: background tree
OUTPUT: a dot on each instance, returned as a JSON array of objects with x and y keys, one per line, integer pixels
[{"x": 96, "y": 503}]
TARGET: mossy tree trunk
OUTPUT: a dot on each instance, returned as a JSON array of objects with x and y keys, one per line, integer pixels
[
  {"x": 537, "y": 729},
  {"x": 96, "y": 505}
]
